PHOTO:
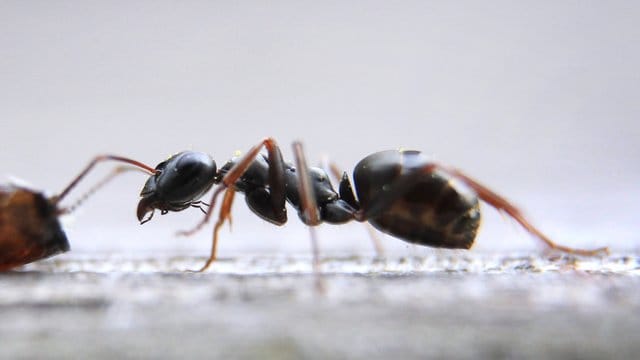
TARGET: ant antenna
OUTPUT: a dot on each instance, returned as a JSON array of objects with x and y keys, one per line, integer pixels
[
  {"x": 115, "y": 172},
  {"x": 55, "y": 200}
]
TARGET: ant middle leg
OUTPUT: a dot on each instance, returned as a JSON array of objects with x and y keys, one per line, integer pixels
[{"x": 309, "y": 208}]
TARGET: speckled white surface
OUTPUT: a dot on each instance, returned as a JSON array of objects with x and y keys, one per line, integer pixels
[{"x": 473, "y": 306}]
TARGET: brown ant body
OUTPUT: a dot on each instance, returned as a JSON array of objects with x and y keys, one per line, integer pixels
[
  {"x": 401, "y": 193},
  {"x": 30, "y": 229}
]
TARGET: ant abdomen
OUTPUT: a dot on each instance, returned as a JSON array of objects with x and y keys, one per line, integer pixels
[{"x": 429, "y": 208}]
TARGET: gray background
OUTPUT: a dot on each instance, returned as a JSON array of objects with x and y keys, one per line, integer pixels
[{"x": 539, "y": 100}]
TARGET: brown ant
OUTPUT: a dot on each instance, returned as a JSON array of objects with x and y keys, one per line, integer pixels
[
  {"x": 30, "y": 229},
  {"x": 399, "y": 192}
]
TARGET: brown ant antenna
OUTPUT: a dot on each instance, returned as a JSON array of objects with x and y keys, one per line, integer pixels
[
  {"x": 99, "y": 185},
  {"x": 55, "y": 200}
]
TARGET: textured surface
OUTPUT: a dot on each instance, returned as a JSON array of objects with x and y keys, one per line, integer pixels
[{"x": 454, "y": 306}]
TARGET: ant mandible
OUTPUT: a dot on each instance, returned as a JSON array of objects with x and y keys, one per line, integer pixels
[{"x": 399, "y": 192}]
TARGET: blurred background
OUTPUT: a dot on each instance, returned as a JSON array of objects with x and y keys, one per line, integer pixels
[{"x": 538, "y": 100}]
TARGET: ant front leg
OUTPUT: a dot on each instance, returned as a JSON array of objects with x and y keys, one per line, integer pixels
[
  {"x": 274, "y": 200},
  {"x": 200, "y": 205}
]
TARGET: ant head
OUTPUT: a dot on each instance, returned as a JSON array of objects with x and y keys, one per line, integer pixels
[
  {"x": 29, "y": 227},
  {"x": 177, "y": 182}
]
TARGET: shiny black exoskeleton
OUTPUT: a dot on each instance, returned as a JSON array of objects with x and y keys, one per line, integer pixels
[
  {"x": 183, "y": 178},
  {"x": 393, "y": 194},
  {"x": 401, "y": 193},
  {"x": 178, "y": 183},
  {"x": 423, "y": 207}
]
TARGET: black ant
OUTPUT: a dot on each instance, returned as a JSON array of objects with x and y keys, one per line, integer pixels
[
  {"x": 30, "y": 229},
  {"x": 399, "y": 192}
]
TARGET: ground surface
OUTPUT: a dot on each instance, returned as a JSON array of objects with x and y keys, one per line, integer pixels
[{"x": 471, "y": 306}]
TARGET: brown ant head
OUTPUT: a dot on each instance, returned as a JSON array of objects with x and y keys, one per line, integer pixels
[{"x": 29, "y": 227}]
